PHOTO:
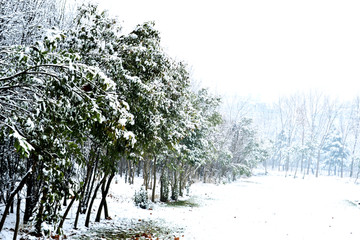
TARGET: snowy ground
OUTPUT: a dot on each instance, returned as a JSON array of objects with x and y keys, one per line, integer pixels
[{"x": 261, "y": 207}]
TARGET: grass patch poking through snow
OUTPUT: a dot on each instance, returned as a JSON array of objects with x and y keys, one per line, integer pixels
[
  {"x": 138, "y": 229},
  {"x": 183, "y": 203},
  {"x": 353, "y": 203}
]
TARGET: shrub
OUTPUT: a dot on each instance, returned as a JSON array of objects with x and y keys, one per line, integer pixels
[{"x": 141, "y": 198}]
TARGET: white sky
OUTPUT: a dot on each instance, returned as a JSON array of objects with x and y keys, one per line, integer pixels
[{"x": 258, "y": 48}]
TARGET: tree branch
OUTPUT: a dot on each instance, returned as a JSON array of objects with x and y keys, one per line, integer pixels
[{"x": 27, "y": 71}]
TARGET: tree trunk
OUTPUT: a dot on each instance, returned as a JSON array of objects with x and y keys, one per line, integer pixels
[
  {"x": 175, "y": 188},
  {"x": 82, "y": 193},
  {"x": 65, "y": 199},
  {"x": 121, "y": 167},
  {"x": 89, "y": 191},
  {"x": 164, "y": 186},
  {"x": 87, "y": 221},
  {"x": 32, "y": 190},
  {"x": 106, "y": 210},
  {"x": 40, "y": 215},
  {"x": 65, "y": 215},
  {"x": 302, "y": 163},
  {"x": 318, "y": 163},
  {"x": 104, "y": 191},
  {"x": 129, "y": 171},
  {"x": 138, "y": 169},
  {"x": 12, "y": 203},
  {"x": 150, "y": 179},
  {"x": 296, "y": 167},
  {"x": 205, "y": 175},
  {"x": 353, "y": 153},
  {"x": 154, "y": 173},
  {"x": 17, "y": 217},
  {"x": 145, "y": 176},
  {"x": 11, "y": 198},
  {"x": 351, "y": 167},
  {"x": 280, "y": 160},
  {"x": 133, "y": 173},
  {"x": 342, "y": 167},
  {"x": 357, "y": 175},
  {"x": 182, "y": 182}
]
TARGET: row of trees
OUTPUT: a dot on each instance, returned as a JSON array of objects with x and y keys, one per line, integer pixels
[
  {"x": 81, "y": 102},
  {"x": 312, "y": 133}
]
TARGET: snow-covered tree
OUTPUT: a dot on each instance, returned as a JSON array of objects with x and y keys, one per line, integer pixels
[{"x": 334, "y": 152}]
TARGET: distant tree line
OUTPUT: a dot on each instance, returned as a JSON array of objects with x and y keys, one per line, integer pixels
[{"x": 312, "y": 134}]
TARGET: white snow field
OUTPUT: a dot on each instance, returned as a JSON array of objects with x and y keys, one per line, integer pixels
[{"x": 260, "y": 207}]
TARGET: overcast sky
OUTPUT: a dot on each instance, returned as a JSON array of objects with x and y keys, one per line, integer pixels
[{"x": 258, "y": 48}]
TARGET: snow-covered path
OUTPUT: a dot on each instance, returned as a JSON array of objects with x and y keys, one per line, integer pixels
[
  {"x": 262, "y": 207},
  {"x": 276, "y": 208}
]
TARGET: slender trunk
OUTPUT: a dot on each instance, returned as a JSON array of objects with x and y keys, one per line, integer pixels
[
  {"x": 87, "y": 221},
  {"x": 11, "y": 198},
  {"x": 357, "y": 175},
  {"x": 121, "y": 167},
  {"x": 280, "y": 160},
  {"x": 352, "y": 157},
  {"x": 164, "y": 186},
  {"x": 138, "y": 169},
  {"x": 342, "y": 167},
  {"x": 105, "y": 191},
  {"x": 89, "y": 191},
  {"x": 83, "y": 202},
  {"x": 318, "y": 163},
  {"x": 273, "y": 162},
  {"x": 265, "y": 167},
  {"x": 352, "y": 166},
  {"x": 302, "y": 150},
  {"x": 182, "y": 181},
  {"x": 150, "y": 179},
  {"x": 40, "y": 215},
  {"x": 98, "y": 215},
  {"x": 302, "y": 163},
  {"x": 205, "y": 175},
  {"x": 32, "y": 191},
  {"x": 82, "y": 193},
  {"x": 17, "y": 217},
  {"x": 65, "y": 215},
  {"x": 181, "y": 192},
  {"x": 12, "y": 202},
  {"x": 133, "y": 173},
  {"x": 65, "y": 199},
  {"x": 175, "y": 188},
  {"x": 32, "y": 197},
  {"x": 129, "y": 171},
  {"x": 296, "y": 167},
  {"x": 154, "y": 173},
  {"x": 308, "y": 166},
  {"x": 106, "y": 211},
  {"x": 287, "y": 164},
  {"x": 145, "y": 174},
  {"x": 126, "y": 171}
]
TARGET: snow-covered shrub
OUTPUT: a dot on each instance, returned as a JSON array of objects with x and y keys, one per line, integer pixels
[{"x": 141, "y": 198}]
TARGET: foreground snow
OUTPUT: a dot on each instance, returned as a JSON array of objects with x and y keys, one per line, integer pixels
[{"x": 261, "y": 207}]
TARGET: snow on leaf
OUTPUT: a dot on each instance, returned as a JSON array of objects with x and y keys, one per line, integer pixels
[{"x": 21, "y": 144}]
